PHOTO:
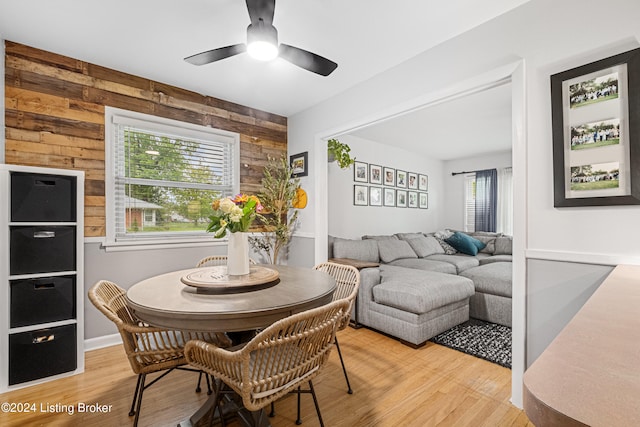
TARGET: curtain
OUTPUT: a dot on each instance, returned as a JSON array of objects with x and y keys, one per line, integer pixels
[
  {"x": 486, "y": 199},
  {"x": 504, "y": 223}
]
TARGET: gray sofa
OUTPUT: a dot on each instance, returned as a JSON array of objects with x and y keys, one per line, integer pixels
[{"x": 423, "y": 286}]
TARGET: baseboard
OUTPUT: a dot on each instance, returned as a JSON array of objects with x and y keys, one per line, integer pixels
[{"x": 101, "y": 342}]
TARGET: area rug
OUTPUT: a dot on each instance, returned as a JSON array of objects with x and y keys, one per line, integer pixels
[{"x": 481, "y": 339}]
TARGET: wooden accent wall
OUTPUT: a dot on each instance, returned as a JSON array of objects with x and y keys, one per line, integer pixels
[{"x": 54, "y": 117}]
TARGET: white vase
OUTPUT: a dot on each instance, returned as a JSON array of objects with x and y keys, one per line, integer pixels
[{"x": 238, "y": 254}]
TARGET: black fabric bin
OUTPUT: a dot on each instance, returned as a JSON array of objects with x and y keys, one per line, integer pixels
[
  {"x": 41, "y": 197},
  {"x": 42, "y": 249},
  {"x": 42, "y": 300},
  {"x": 41, "y": 353}
]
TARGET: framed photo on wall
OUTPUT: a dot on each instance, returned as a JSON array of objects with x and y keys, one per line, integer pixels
[
  {"x": 401, "y": 179},
  {"x": 390, "y": 177},
  {"x": 360, "y": 195},
  {"x": 423, "y": 200},
  {"x": 401, "y": 198},
  {"x": 423, "y": 182},
  {"x": 596, "y": 129},
  {"x": 360, "y": 172},
  {"x": 375, "y": 174},
  {"x": 389, "y": 197},
  {"x": 412, "y": 199},
  {"x": 412, "y": 180},
  {"x": 375, "y": 196},
  {"x": 299, "y": 164}
]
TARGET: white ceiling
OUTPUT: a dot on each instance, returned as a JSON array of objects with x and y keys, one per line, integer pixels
[
  {"x": 474, "y": 125},
  {"x": 150, "y": 38}
]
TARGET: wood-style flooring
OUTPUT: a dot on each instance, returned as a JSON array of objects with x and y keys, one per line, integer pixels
[{"x": 394, "y": 385}]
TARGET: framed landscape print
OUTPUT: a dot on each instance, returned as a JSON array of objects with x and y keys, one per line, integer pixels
[
  {"x": 360, "y": 195},
  {"x": 596, "y": 132},
  {"x": 412, "y": 199},
  {"x": 390, "y": 177},
  {"x": 299, "y": 164},
  {"x": 360, "y": 172},
  {"x": 375, "y": 174},
  {"x": 423, "y": 182},
  {"x": 412, "y": 180},
  {"x": 375, "y": 196},
  {"x": 423, "y": 200},
  {"x": 401, "y": 198},
  {"x": 401, "y": 179},
  {"x": 389, "y": 197}
]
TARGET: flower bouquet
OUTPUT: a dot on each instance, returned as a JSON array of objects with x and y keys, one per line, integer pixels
[{"x": 233, "y": 213}]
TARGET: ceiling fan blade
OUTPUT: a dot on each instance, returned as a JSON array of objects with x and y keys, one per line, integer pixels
[
  {"x": 307, "y": 60},
  {"x": 261, "y": 9},
  {"x": 216, "y": 54}
]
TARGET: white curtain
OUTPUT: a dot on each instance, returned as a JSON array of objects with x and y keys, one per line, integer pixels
[{"x": 505, "y": 202}]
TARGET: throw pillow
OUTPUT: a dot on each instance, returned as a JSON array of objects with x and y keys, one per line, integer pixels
[
  {"x": 393, "y": 249},
  {"x": 425, "y": 246},
  {"x": 504, "y": 245},
  {"x": 447, "y": 248},
  {"x": 465, "y": 243}
]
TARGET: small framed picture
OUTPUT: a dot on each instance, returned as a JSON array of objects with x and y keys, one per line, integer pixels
[
  {"x": 423, "y": 182},
  {"x": 375, "y": 196},
  {"x": 390, "y": 177},
  {"x": 401, "y": 198},
  {"x": 375, "y": 174},
  {"x": 401, "y": 179},
  {"x": 360, "y": 195},
  {"x": 360, "y": 172},
  {"x": 412, "y": 199},
  {"x": 423, "y": 200},
  {"x": 389, "y": 197},
  {"x": 299, "y": 164},
  {"x": 412, "y": 180}
]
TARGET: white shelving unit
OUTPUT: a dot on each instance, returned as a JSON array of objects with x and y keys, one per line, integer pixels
[{"x": 41, "y": 275}]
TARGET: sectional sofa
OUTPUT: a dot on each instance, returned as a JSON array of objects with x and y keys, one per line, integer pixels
[{"x": 424, "y": 285}]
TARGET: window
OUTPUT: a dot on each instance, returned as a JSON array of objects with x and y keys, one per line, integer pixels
[
  {"x": 470, "y": 202},
  {"x": 162, "y": 176}
]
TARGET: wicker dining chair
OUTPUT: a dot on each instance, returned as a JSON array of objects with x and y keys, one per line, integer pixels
[
  {"x": 275, "y": 362},
  {"x": 148, "y": 349},
  {"x": 348, "y": 281},
  {"x": 214, "y": 260}
]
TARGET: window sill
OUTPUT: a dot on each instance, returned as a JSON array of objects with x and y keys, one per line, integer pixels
[{"x": 139, "y": 245}]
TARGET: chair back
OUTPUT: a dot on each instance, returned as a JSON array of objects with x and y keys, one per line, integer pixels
[
  {"x": 277, "y": 360},
  {"x": 214, "y": 260},
  {"x": 347, "y": 281}
]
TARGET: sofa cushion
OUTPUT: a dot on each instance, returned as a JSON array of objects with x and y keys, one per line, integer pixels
[
  {"x": 496, "y": 258},
  {"x": 362, "y": 250},
  {"x": 494, "y": 278},
  {"x": 379, "y": 237},
  {"x": 424, "y": 246},
  {"x": 504, "y": 245},
  {"x": 393, "y": 249},
  {"x": 465, "y": 243},
  {"x": 461, "y": 262},
  {"x": 425, "y": 264},
  {"x": 433, "y": 291},
  {"x": 407, "y": 236},
  {"x": 489, "y": 243}
]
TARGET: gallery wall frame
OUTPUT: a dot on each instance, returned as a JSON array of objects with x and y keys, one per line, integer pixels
[
  {"x": 596, "y": 132},
  {"x": 360, "y": 195},
  {"x": 360, "y": 172},
  {"x": 299, "y": 164},
  {"x": 375, "y": 174}
]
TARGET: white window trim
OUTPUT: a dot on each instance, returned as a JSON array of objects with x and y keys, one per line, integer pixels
[
  {"x": 116, "y": 115},
  {"x": 468, "y": 179}
]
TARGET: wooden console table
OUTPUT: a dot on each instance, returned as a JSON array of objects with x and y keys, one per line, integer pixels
[{"x": 590, "y": 375}]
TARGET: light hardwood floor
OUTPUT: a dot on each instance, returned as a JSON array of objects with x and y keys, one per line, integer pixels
[{"x": 394, "y": 385}]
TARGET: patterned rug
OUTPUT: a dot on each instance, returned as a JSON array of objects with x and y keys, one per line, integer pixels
[{"x": 481, "y": 339}]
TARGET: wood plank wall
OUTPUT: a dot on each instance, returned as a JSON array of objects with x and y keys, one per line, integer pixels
[{"x": 54, "y": 117}]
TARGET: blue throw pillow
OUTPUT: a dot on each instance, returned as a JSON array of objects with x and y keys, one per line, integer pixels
[{"x": 465, "y": 243}]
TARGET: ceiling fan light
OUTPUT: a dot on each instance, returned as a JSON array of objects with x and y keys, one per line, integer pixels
[{"x": 262, "y": 50}]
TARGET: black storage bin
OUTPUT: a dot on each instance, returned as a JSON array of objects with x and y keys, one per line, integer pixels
[
  {"x": 42, "y": 249},
  {"x": 42, "y": 300},
  {"x": 39, "y": 197},
  {"x": 41, "y": 353}
]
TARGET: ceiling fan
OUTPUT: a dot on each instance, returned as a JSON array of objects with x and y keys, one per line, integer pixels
[{"x": 262, "y": 43}]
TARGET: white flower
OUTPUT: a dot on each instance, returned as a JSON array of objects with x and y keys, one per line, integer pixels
[
  {"x": 236, "y": 214},
  {"x": 226, "y": 205}
]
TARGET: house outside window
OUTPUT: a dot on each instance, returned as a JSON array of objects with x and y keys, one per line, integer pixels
[{"x": 162, "y": 176}]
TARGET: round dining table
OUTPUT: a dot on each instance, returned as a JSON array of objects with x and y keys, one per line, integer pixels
[{"x": 174, "y": 301}]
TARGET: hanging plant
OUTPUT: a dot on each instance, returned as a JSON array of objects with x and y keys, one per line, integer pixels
[{"x": 339, "y": 152}]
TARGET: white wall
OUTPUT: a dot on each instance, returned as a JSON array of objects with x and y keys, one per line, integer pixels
[
  {"x": 351, "y": 222},
  {"x": 454, "y": 185}
]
